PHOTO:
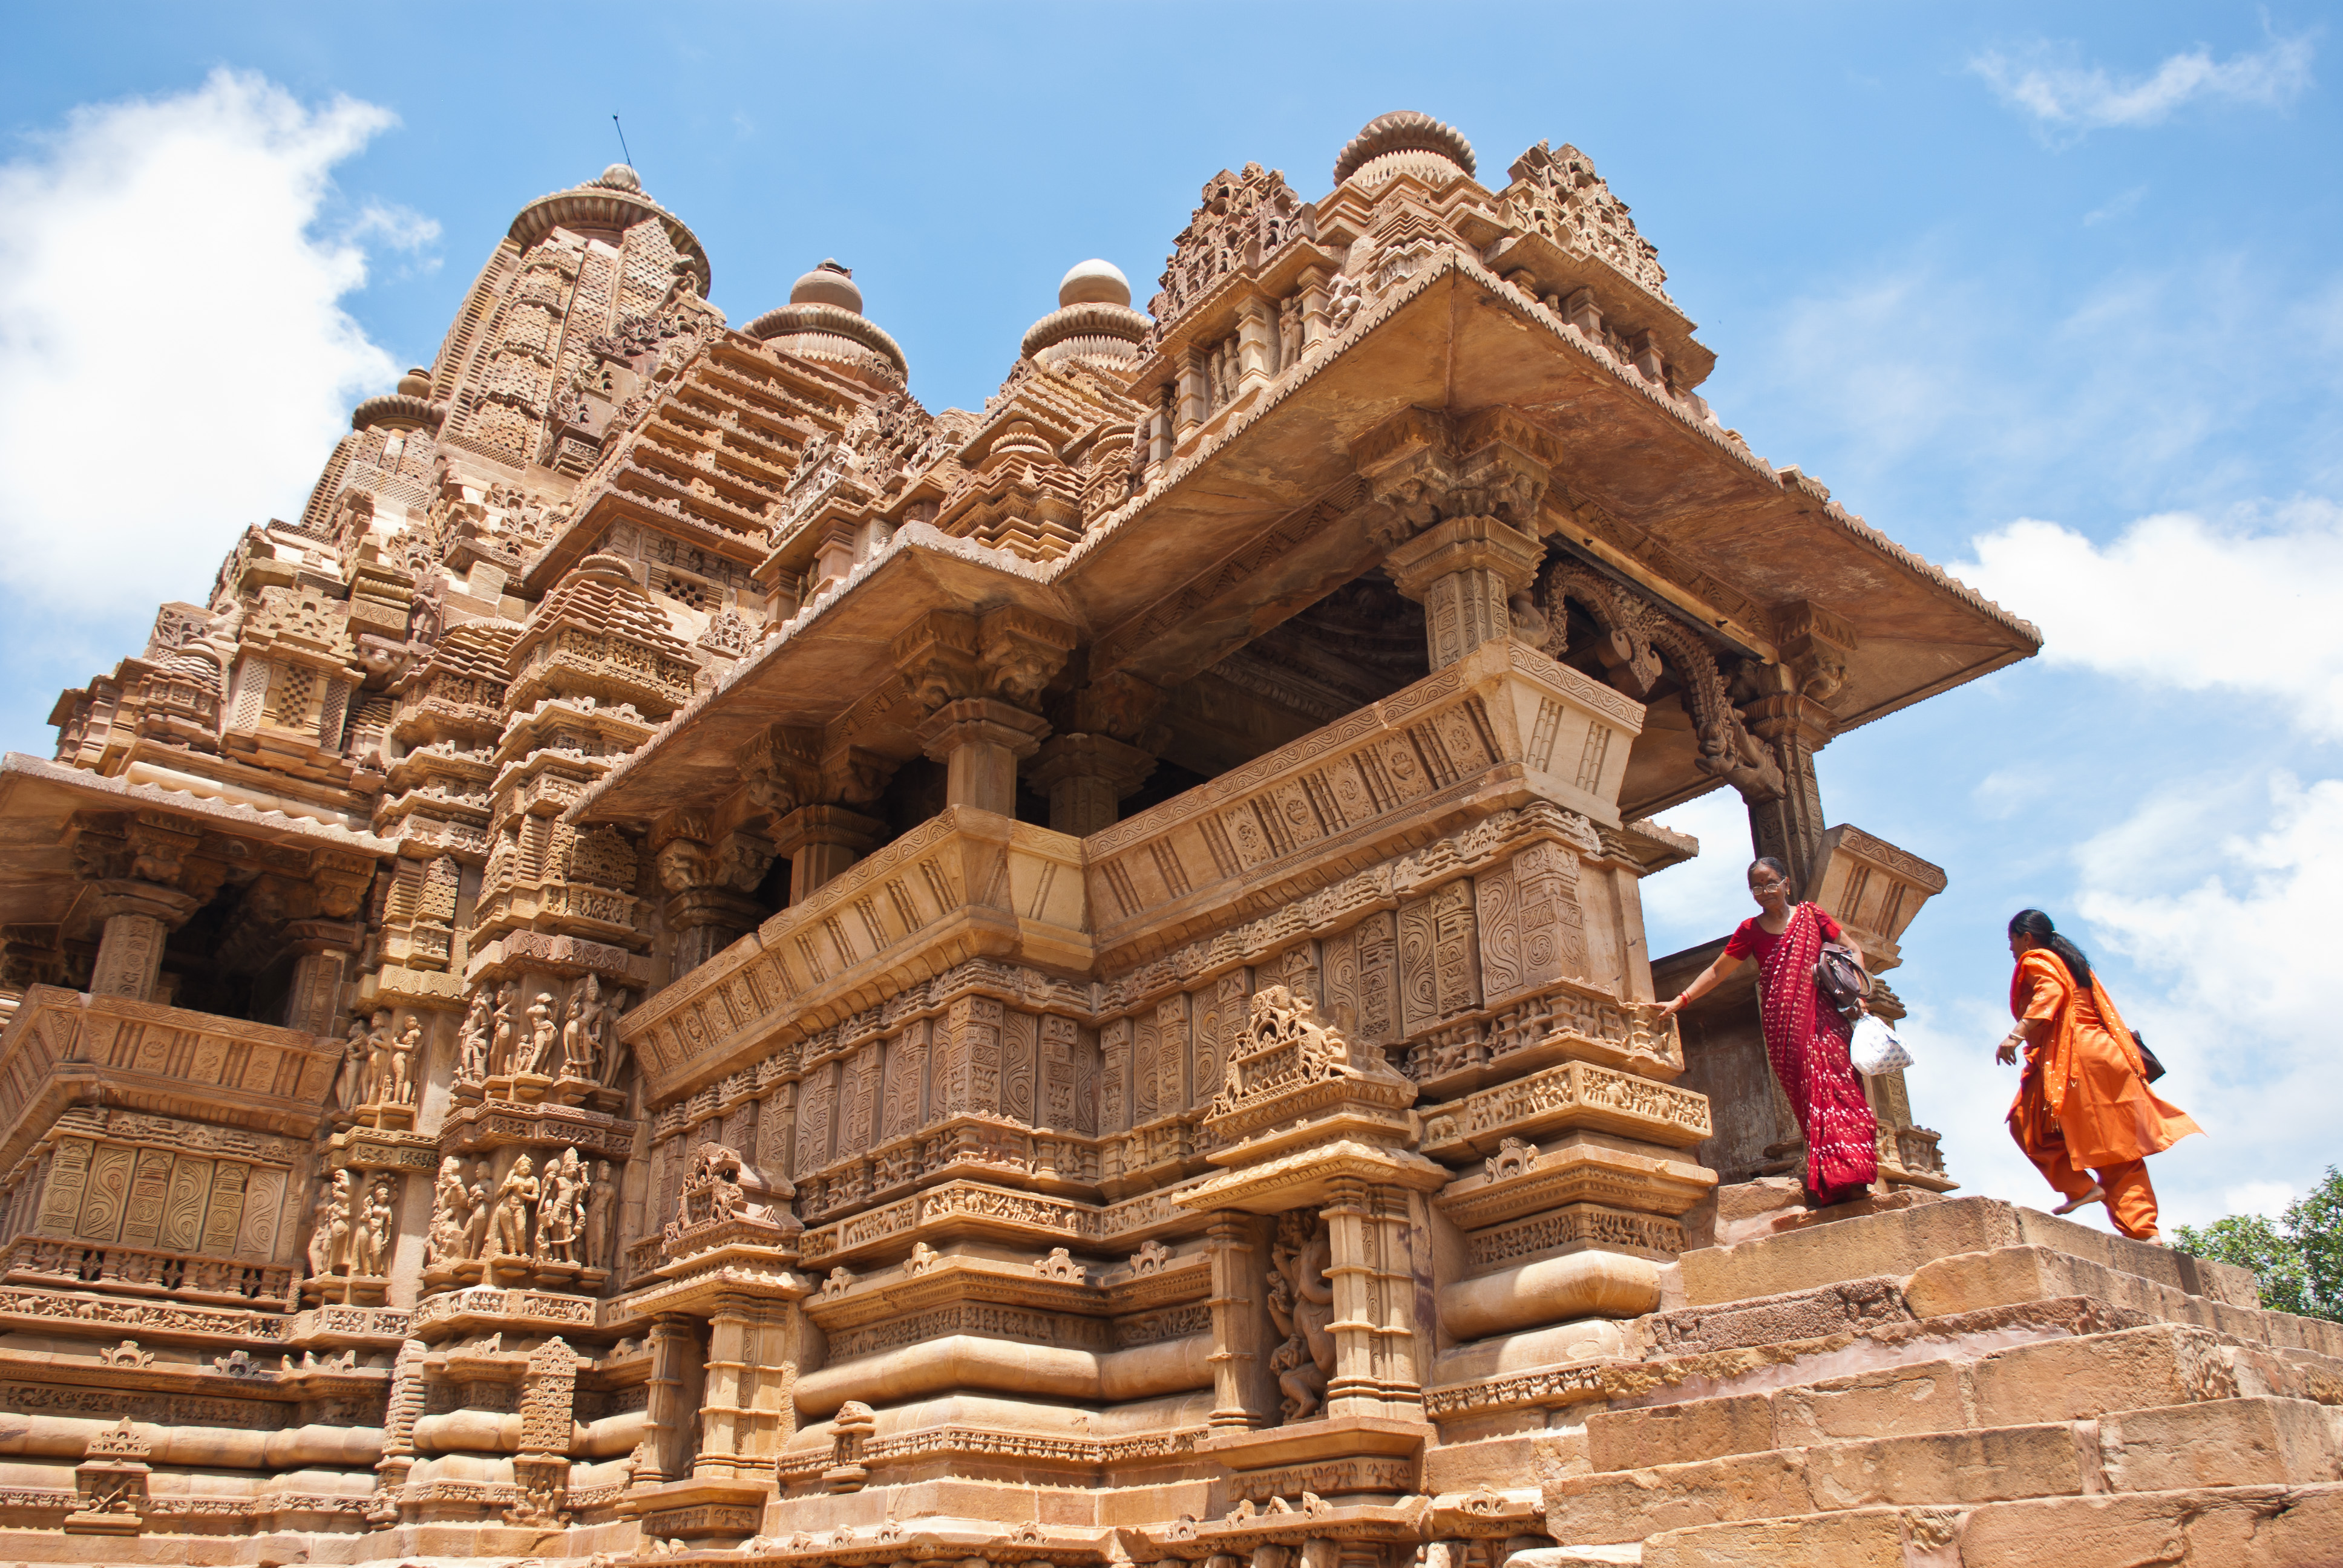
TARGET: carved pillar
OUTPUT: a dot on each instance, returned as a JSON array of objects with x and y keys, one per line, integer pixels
[
  {"x": 674, "y": 1398},
  {"x": 1353, "y": 1389},
  {"x": 325, "y": 951},
  {"x": 137, "y": 918},
  {"x": 1256, "y": 343},
  {"x": 980, "y": 740},
  {"x": 1195, "y": 402},
  {"x": 744, "y": 1411},
  {"x": 541, "y": 1469},
  {"x": 1463, "y": 572},
  {"x": 821, "y": 841},
  {"x": 1314, "y": 327},
  {"x": 1790, "y": 828},
  {"x": 1086, "y": 777},
  {"x": 834, "y": 556},
  {"x": 1243, "y": 1397},
  {"x": 709, "y": 876},
  {"x": 1789, "y": 714}
]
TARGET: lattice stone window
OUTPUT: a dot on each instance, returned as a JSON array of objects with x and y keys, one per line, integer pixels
[
  {"x": 690, "y": 591},
  {"x": 289, "y": 695}
]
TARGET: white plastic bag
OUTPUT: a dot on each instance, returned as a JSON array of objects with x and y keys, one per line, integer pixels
[{"x": 1876, "y": 1050}]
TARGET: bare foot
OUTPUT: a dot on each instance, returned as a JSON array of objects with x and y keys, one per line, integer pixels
[{"x": 2096, "y": 1195}]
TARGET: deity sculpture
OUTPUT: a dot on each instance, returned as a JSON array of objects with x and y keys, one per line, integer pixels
[
  {"x": 1301, "y": 1303},
  {"x": 450, "y": 1213},
  {"x": 377, "y": 1067},
  {"x": 501, "y": 1038},
  {"x": 477, "y": 1209},
  {"x": 508, "y": 1226},
  {"x": 557, "y": 1209},
  {"x": 330, "y": 1227},
  {"x": 602, "y": 1027},
  {"x": 577, "y": 1048},
  {"x": 404, "y": 1046},
  {"x": 472, "y": 1041},
  {"x": 601, "y": 1227},
  {"x": 349, "y": 1083},
  {"x": 370, "y": 1236},
  {"x": 542, "y": 1034}
]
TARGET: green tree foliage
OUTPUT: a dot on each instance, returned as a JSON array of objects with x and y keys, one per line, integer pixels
[{"x": 2297, "y": 1258}]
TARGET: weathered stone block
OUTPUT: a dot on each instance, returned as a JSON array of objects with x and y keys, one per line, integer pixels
[
  {"x": 1678, "y": 1434},
  {"x": 2258, "y": 1442},
  {"x": 1873, "y": 1539},
  {"x": 1925, "y": 1398},
  {"x": 1629, "y": 1505},
  {"x": 2078, "y": 1379}
]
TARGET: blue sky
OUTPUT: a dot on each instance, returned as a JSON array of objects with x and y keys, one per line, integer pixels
[{"x": 2050, "y": 294}]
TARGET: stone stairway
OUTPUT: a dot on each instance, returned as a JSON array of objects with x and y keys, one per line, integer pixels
[{"x": 1956, "y": 1384}]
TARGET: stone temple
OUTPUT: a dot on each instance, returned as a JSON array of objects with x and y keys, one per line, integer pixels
[{"x": 698, "y": 960}]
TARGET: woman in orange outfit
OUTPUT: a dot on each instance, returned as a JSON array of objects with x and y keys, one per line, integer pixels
[{"x": 2082, "y": 1102}]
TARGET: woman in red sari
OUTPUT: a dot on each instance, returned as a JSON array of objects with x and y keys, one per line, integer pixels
[
  {"x": 1806, "y": 1037},
  {"x": 2083, "y": 1113}
]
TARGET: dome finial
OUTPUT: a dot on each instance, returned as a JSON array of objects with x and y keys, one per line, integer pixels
[
  {"x": 827, "y": 284},
  {"x": 1404, "y": 141},
  {"x": 1095, "y": 282}
]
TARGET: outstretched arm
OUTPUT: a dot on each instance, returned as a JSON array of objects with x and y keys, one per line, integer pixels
[
  {"x": 2025, "y": 1032},
  {"x": 1702, "y": 983}
]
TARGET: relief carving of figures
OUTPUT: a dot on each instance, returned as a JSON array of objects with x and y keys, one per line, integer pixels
[
  {"x": 350, "y": 1082},
  {"x": 579, "y": 1043},
  {"x": 557, "y": 1209},
  {"x": 472, "y": 1041},
  {"x": 508, "y": 1226},
  {"x": 403, "y": 1049},
  {"x": 329, "y": 1236},
  {"x": 711, "y": 1188},
  {"x": 1301, "y": 1303},
  {"x": 450, "y": 1215},
  {"x": 477, "y": 1213},
  {"x": 370, "y": 1237},
  {"x": 601, "y": 1217},
  {"x": 501, "y": 1038},
  {"x": 601, "y": 1028},
  {"x": 378, "y": 1069},
  {"x": 543, "y": 1034}
]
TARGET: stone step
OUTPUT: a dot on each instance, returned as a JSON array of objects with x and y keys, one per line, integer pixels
[
  {"x": 2068, "y": 1379},
  {"x": 2219, "y": 1442},
  {"x": 1971, "y": 1281},
  {"x": 2200, "y": 1527},
  {"x": 1899, "y": 1242}
]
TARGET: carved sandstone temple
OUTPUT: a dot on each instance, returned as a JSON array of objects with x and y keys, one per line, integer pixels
[{"x": 698, "y": 959}]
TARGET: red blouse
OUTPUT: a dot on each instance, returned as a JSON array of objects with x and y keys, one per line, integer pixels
[{"x": 1751, "y": 940}]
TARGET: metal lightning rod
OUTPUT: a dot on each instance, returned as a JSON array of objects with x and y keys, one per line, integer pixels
[{"x": 622, "y": 143}]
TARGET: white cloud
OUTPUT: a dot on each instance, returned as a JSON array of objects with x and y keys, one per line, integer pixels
[
  {"x": 1706, "y": 897},
  {"x": 2135, "y": 609},
  {"x": 2114, "y": 207},
  {"x": 2075, "y": 99},
  {"x": 175, "y": 361},
  {"x": 2240, "y": 958},
  {"x": 2268, "y": 1198}
]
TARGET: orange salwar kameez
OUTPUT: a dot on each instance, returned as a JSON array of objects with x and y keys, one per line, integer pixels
[{"x": 2083, "y": 1103}]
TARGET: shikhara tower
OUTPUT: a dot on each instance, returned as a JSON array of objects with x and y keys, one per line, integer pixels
[{"x": 699, "y": 958}]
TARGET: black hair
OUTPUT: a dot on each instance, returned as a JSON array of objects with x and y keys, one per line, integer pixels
[
  {"x": 1779, "y": 869},
  {"x": 2035, "y": 924}
]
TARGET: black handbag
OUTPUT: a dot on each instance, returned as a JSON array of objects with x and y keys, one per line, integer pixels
[
  {"x": 1843, "y": 980},
  {"x": 2149, "y": 1068}
]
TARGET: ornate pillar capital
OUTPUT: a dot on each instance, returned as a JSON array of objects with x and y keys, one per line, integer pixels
[{"x": 1464, "y": 572}]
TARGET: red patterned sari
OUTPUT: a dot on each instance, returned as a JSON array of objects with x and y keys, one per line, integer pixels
[{"x": 1807, "y": 1040}]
